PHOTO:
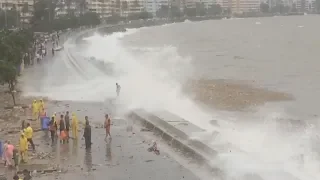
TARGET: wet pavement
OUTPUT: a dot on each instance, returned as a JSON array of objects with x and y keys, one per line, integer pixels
[{"x": 123, "y": 157}]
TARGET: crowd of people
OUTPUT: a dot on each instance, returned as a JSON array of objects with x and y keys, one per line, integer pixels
[
  {"x": 59, "y": 128},
  {"x": 39, "y": 49}
]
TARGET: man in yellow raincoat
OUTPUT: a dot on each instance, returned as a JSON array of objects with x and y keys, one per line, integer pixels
[
  {"x": 74, "y": 126},
  {"x": 41, "y": 104},
  {"x": 38, "y": 106},
  {"x": 23, "y": 148},
  {"x": 54, "y": 116},
  {"x": 29, "y": 134},
  {"x": 35, "y": 109}
]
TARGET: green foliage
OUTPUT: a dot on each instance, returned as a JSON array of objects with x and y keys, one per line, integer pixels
[
  {"x": 294, "y": 8},
  {"x": 190, "y": 12},
  {"x": 200, "y": 9},
  {"x": 13, "y": 45},
  {"x": 317, "y": 6},
  {"x": 89, "y": 19},
  {"x": 9, "y": 19},
  {"x": 124, "y": 5},
  {"x": 68, "y": 21},
  {"x": 44, "y": 19},
  {"x": 141, "y": 15},
  {"x": 114, "y": 19},
  {"x": 163, "y": 11},
  {"x": 175, "y": 12},
  {"x": 303, "y": 6},
  {"x": 118, "y": 4},
  {"x": 264, "y": 7},
  {"x": 215, "y": 9},
  {"x": 169, "y": 12}
]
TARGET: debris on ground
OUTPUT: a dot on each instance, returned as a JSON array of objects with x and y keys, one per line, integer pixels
[
  {"x": 41, "y": 155},
  {"x": 154, "y": 148},
  {"x": 145, "y": 130}
]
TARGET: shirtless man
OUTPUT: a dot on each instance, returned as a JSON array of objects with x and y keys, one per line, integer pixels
[
  {"x": 107, "y": 124},
  {"x": 118, "y": 88}
]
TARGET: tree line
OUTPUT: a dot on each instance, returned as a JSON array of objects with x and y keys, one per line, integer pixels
[
  {"x": 14, "y": 45},
  {"x": 17, "y": 39}
]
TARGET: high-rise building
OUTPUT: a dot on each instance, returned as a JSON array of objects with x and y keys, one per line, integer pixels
[
  {"x": 23, "y": 7},
  {"x": 152, "y": 6},
  {"x": 207, "y": 3},
  {"x": 241, "y": 6},
  {"x": 305, "y": 5},
  {"x": 65, "y": 7},
  {"x": 104, "y": 8},
  {"x": 129, "y": 7}
]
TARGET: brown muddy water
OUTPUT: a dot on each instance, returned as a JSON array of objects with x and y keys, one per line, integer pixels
[{"x": 279, "y": 54}]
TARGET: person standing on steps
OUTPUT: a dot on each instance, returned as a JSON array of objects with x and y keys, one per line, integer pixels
[{"x": 118, "y": 88}]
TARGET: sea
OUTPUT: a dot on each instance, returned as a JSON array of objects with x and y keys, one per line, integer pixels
[{"x": 151, "y": 64}]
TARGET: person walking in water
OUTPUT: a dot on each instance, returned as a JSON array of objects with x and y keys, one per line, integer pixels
[
  {"x": 87, "y": 134},
  {"x": 107, "y": 124},
  {"x": 118, "y": 88}
]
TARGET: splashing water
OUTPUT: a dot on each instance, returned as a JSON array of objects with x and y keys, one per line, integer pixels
[{"x": 151, "y": 78}]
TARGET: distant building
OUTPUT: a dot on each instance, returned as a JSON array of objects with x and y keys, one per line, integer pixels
[
  {"x": 305, "y": 5},
  {"x": 152, "y": 6},
  {"x": 132, "y": 7},
  {"x": 104, "y": 8},
  {"x": 207, "y": 3},
  {"x": 190, "y": 3},
  {"x": 65, "y": 7},
  {"x": 107, "y": 8},
  {"x": 24, "y": 7},
  {"x": 241, "y": 6}
]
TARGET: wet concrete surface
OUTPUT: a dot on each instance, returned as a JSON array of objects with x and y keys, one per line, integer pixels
[{"x": 123, "y": 157}]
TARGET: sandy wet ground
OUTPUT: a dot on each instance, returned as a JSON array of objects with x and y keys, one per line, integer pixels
[{"x": 232, "y": 95}]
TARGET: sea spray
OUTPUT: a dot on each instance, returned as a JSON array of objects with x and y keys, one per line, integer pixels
[{"x": 152, "y": 77}]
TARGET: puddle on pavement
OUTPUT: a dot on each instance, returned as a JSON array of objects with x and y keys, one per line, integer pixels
[
  {"x": 88, "y": 160},
  {"x": 108, "y": 151}
]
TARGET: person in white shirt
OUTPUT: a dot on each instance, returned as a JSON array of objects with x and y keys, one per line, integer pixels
[{"x": 38, "y": 57}]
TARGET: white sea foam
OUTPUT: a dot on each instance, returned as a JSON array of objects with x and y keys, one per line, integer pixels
[{"x": 151, "y": 78}]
